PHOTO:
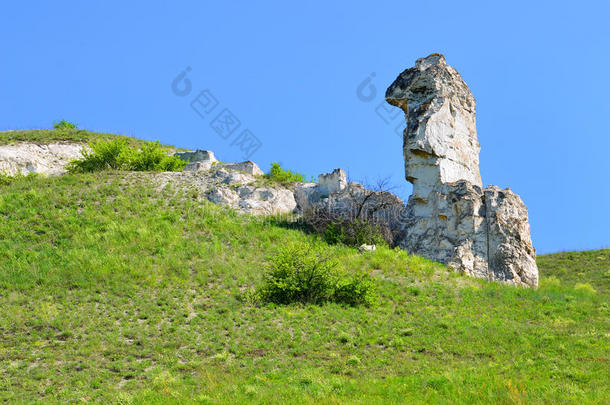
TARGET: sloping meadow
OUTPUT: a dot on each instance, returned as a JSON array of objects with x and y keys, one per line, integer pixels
[{"x": 114, "y": 291}]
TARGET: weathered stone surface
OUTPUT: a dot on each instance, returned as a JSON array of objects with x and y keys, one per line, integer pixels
[
  {"x": 247, "y": 167},
  {"x": 367, "y": 248},
  {"x": 449, "y": 217},
  {"x": 332, "y": 182},
  {"x": 197, "y": 156},
  {"x": 440, "y": 141},
  {"x": 198, "y": 160},
  {"x": 24, "y": 158},
  {"x": 230, "y": 188},
  {"x": 511, "y": 256}
]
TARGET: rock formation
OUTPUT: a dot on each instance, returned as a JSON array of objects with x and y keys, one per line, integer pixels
[
  {"x": 334, "y": 199},
  {"x": 450, "y": 217},
  {"x": 235, "y": 185},
  {"x": 198, "y": 160},
  {"x": 24, "y": 158}
]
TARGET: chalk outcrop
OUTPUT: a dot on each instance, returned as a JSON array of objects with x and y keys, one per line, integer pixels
[
  {"x": 450, "y": 217},
  {"x": 49, "y": 159},
  {"x": 232, "y": 188},
  {"x": 334, "y": 199},
  {"x": 198, "y": 160}
]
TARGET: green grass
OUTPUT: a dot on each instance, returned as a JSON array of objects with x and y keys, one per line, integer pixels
[
  {"x": 114, "y": 292},
  {"x": 43, "y": 136}
]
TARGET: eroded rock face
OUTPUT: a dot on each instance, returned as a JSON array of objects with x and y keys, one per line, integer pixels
[
  {"x": 440, "y": 141},
  {"x": 225, "y": 185},
  {"x": 332, "y": 182},
  {"x": 198, "y": 155},
  {"x": 450, "y": 217},
  {"x": 24, "y": 158},
  {"x": 247, "y": 167}
]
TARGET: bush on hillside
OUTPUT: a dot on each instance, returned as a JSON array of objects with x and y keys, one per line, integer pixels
[
  {"x": 362, "y": 215},
  {"x": 63, "y": 124},
  {"x": 353, "y": 233},
  {"x": 152, "y": 157},
  {"x": 117, "y": 155},
  {"x": 277, "y": 173},
  {"x": 299, "y": 274}
]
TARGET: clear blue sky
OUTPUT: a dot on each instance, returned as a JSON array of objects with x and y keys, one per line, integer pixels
[{"x": 289, "y": 71}]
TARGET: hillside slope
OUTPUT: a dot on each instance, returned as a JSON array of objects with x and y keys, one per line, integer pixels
[
  {"x": 113, "y": 291},
  {"x": 48, "y": 151},
  {"x": 46, "y": 136}
]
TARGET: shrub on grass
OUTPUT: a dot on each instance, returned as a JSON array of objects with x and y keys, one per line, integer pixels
[
  {"x": 299, "y": 274},
  {"x": 117, "y": 155},
  {"x": 63, "y": 124},
  {"x": 353, "y": 233},
  {"x": 277, "y": 173},
  {"x": 152, "y": 157},
  {"x": 585, "y": 288},
  {"x": 355, "y": 290},
  {"x": 102, "y": 155}
]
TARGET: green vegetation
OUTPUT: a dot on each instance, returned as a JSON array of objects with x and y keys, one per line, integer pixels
[
  {"x": 116, "y": 154},
  {"x": 302, "y": 273},
  {"x": 353, "y": 233},
  {"x": 65, "y": 134},
  {"x": 63, "y": 124},
  {"x": 571, "y": 268},
  {"x": 280, "y": 175},
  {"x": 112, "y": 291},
  {"x": 6, "y": 179}
]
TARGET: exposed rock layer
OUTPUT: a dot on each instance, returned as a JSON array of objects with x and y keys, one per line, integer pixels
[
  {"x": 24, "y": 158},
  {"x": 449, "y": 217}
]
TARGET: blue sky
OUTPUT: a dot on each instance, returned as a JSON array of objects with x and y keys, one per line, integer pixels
[{"x": 289, "y": 72}]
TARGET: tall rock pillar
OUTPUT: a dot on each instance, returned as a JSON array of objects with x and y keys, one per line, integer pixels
[{"x": 450, "y": 217}]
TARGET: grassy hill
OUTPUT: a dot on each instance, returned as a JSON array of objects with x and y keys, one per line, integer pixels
[
  {"x": 114, "y": 292},
  {"x": 44, "y": 136}
]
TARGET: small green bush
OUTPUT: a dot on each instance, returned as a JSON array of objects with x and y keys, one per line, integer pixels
[
  {"x": 356, "y": 290},
  {"x": 585, "y": 288},
  {"x": 280, "y": 175},
  {"x": 152, "y": 157},
  {"x": 117, "y": 155},
  {"x": 299, "y": 274},
  {"x": 102, "y": 155},
  {"x": 353, "y": 233},
  {"x": 63, "y": 124}
]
